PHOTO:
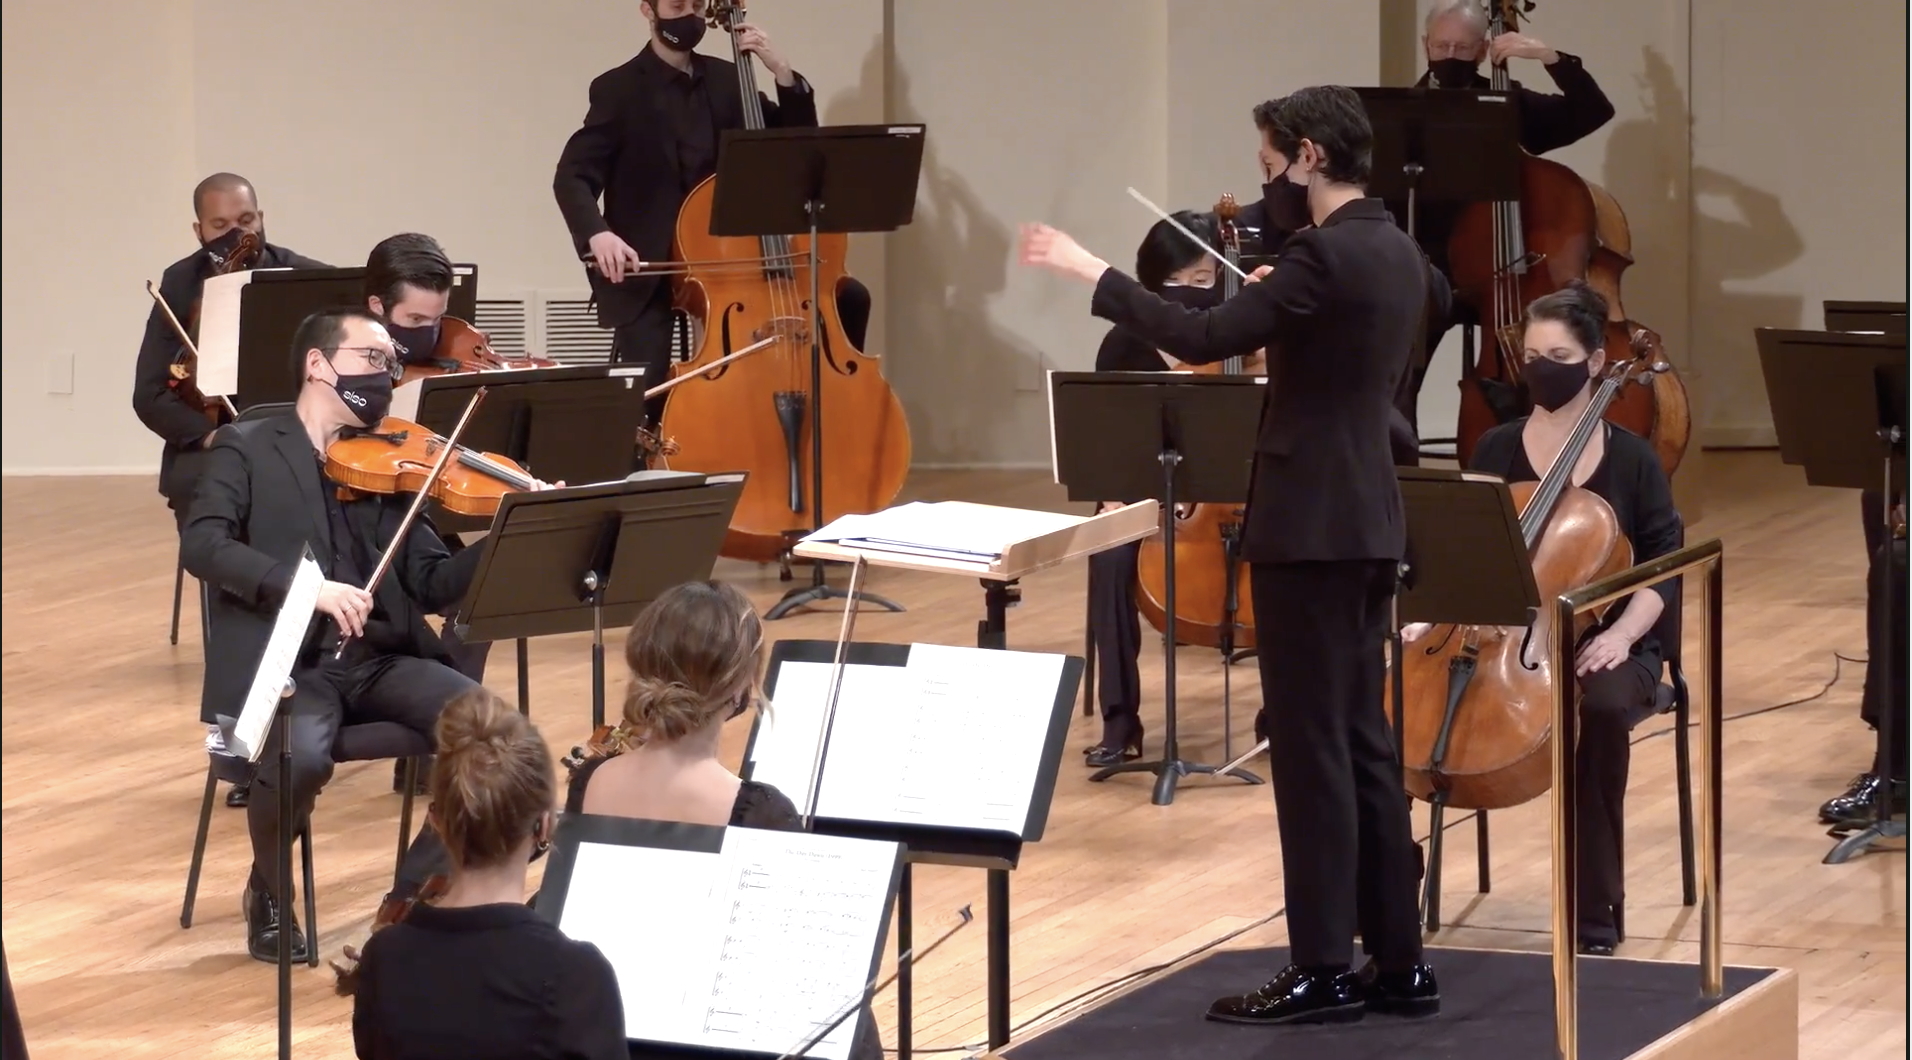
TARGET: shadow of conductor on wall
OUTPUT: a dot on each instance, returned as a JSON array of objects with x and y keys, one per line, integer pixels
[
  {"x": 1645, "y": 158},
  {"x": 950, "y": 365}
]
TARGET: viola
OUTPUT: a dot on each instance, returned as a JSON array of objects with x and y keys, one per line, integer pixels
[
  {"x": 398, "y": 456},
  {"x": 1212, "y": 605},
  {"x": 1477, "y": 702},
  {"x": 184, "y": 370},
  {"x": 607, "y": 741},
  {"x": 463, "y": 348},
  {"x": 769, "y": 415},
  {"x": 390, "y": 911}
]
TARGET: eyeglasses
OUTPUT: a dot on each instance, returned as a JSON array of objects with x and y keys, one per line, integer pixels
[{"x": 380, "y": 359}]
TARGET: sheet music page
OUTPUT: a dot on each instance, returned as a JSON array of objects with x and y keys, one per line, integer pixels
[
  {"x": 784, "y": 752},
  {"x": 249, "y": 733},
  {"x": 218, "y": 369},
  {"x": 405, "y": 400},
  {"x": 800, "y": 929},
  {"x": 982, "y": 530},
  {"x": 652, "y": 911}
]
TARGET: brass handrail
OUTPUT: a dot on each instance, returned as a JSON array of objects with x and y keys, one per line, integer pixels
[{"x": 1706, "y": 555}]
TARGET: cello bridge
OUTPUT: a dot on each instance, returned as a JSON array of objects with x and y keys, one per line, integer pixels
[{"x": 790, "y": 328}]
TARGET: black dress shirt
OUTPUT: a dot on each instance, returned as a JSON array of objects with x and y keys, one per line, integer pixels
[
  {"x": 684, "y": 104},
  {"x": 489, "y": 982}
]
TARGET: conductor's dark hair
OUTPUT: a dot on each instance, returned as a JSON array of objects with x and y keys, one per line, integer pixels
[
  {"x": 1265, "y": 114},
  {"x": 1580, "y": 308},
  {"x": 1165, "y": 250},
  {"x": 1335, "y": 121},
  {"x": 324, "y": 330},
  {"x": 404, "y": 259},
  {"x": 220, "y": 182}
]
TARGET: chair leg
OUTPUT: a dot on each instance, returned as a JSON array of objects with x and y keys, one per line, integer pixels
[
  {"x": 1431, "y": 894},
  {"x": 199, "y": 849},
  {"x": 311, "y": 897},
  {"x": 1683, "y": 776},
  {"x": 405, "y": 819},
  {"x": 1480, "y": 851},
  {"x": 179, "y": 590}
]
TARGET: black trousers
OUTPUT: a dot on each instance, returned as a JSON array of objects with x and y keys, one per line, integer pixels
[
  {"x": 1347, "y": 850},
  {"x": 1612, "y": 702},
  {"x": 1887, "y": 655},
  {"x": 646, "y": 340},
  {"x": 1117, "y": 630},
  {"x": 177, "y": 482},
  {"x": 396, "y": 688}
]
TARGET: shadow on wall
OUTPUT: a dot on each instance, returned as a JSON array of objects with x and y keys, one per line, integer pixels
[
  {"x": 1758, "y": 241},
  {"x": 953, "y": 368}
]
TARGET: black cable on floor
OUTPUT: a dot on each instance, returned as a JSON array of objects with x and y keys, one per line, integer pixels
[{"x": 1095, "y": 993}]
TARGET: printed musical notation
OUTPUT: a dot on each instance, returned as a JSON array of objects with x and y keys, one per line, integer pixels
[
  {"x": 954, "y": 739},
  {"x": 769, "y": 940}
]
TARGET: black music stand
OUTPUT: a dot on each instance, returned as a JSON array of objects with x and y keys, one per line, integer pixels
[
  {"x": 840, "y": 178},
  {"x": 581, "y": 558},
  {"x": 1839, "y": 407},
  {"x": 1137, "y": 436},
  {"x": 1889, "y": 317},
  {"x": 1466, "y": 564},
  {"x": 275, "y": 301},
  {"x": 1449, "y": 145}
]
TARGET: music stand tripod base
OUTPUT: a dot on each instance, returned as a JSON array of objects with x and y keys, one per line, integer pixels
[{"x": 820, "y": 590}]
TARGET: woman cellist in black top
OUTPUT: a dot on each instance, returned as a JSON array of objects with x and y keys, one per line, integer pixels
[
  {"x": 1178, "y": 270},
  {"x": 1618, "y": 663}
]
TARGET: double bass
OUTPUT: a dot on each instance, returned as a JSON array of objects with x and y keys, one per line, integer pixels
[
  {"x": 1503, "y": 255},
  {"x": 1477, "y": 702},
  {"x": 762, "y": 414},
  {"x": 1212, "y": 603}
]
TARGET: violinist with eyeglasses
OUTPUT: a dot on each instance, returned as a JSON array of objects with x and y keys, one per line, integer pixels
[{"x": 263, "y": 495}]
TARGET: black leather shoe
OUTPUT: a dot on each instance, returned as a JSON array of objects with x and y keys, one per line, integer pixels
[
  {"x": 1857, "y": 800},
  {"x": 262, "y": 926},
  {"x": 1296, "y": 996},
  {"x": 1412, "y": 993},
  {"x": 238, "y": 796},
  {"x": 1121, "y": 742},
  {"x": 1595, "y": 948}
]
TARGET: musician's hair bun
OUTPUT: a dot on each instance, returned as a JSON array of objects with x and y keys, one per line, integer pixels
[
  {"x": 695, "y": 654},
  {"x": 493, "y": 779},
  {"x": 1579, "y": 307}
]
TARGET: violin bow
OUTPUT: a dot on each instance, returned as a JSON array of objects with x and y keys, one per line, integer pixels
[
  {"x": 1182, "y": 228},
  {"x": 180, "y": 330},
  {"x": 686, "y": 377},
  {"x": 418, "y": 503},
  {"x": 836, "y": 690},
  {"x": 872, "y": 988}
]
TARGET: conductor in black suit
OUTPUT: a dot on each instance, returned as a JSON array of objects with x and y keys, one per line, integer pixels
[
  {"x": 262, "y": 499},
  {"x": 649, "y": 138},
  {"x": 1323, "y": 535}
]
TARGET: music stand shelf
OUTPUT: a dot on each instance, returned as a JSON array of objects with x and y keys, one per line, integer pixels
[{"x": 995, "y": 853}]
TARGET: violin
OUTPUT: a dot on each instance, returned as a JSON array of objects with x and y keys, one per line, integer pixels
[
  {"x": 390, "y": 911},
  {"x": 398, "y": 455},
  {"x": 463, "y": 348},
  {"x": 185, "y": 367},
  {"x": 607, "y": 741}
]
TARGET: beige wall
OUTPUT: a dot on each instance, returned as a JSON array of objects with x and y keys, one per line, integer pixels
[{"x": 446, "y": 115}]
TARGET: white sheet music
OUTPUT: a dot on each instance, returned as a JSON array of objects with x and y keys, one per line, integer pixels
[
  {"x": 218, "y": 370},
  {"x": 954, "y": 739},
  {"x": 249, "y": 733},
  {"x": 763, "y": 945},
  {"x": 944, "y": 529}
]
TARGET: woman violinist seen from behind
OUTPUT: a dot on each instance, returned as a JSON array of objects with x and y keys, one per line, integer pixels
[
  {"x": 479, "y": 975},
  {"x": 1618, "y": 662}
]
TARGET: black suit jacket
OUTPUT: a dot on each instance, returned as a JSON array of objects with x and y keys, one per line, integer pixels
[
  {"x": 624, "y": 153},
  {"x": 155, "y": 402},
  {"x": 1338, "y": 316},
  {"x": 257, "y": 505}
]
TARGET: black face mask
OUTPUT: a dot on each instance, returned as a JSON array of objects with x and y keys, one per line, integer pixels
[
  {"x": 418, "y": 342},
  {"x": 367, "y": 396},
  {"x": 1191, "y": 297},
  {"x": 681, "y": 33},
  {"x": 1286, "y": 204},
  {"x": 1553, "y": 384},
  {"x": 222, "y": 248},
  {"x": 1454, "y": 73}
]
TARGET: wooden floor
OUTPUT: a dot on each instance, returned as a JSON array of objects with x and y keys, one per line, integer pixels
[{"x": 103, "y": 770}]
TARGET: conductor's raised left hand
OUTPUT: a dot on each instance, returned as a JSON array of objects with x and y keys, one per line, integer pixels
[{"x": 1052, "y": 248}]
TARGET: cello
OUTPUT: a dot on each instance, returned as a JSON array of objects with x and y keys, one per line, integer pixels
[
  {"x": 1477, "y": 702},
  {"x": 762, "y": 415},
  {"x": 1212, "y": 603},
  {"x": 1503, "y": 255}
]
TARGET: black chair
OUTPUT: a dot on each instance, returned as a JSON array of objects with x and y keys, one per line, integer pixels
[
  {"x": 1670, "y": 696},
  {"x": 255, "y": 412}
]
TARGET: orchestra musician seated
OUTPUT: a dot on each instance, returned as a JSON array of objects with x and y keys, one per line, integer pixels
[
  {"x": 261, "y": 502},
  {"x": 476, "y": 973},
  {"x": 1172, "y": 266},
  {"x": 696, "y": 656},
  {"x": 1618, "y": 661}
]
